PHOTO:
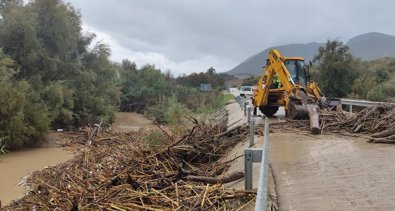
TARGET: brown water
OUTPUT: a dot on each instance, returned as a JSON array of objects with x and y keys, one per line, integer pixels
[
  {"x": 128, "y": 121},
  {"x": 15, "y": 165}
]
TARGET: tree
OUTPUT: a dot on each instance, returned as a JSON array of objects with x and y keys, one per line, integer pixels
[
  {"x": 24, "y": 119},
  {"x": 250, "y": 81},
  {"x": 335, "y": 64},
  {"x": 144, "y": 87},
  {"x": 72, "y": 81}
]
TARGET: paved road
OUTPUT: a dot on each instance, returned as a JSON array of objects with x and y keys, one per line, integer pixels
[
  {"x": 325, "y": 172},
  {"x": 332, "y": 173}
]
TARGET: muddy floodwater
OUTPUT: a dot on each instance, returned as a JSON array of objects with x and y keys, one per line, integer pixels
[
  {"x": 127, "y": 122},
  {"x": 15, "y": 165}
]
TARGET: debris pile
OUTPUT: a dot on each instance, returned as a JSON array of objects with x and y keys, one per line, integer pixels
[
  {"x": 377, "y": 122},
  {"x": 118, "y": 171}
]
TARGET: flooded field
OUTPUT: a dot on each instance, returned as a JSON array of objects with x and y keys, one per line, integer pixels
[{"x": 16, "y": 165}]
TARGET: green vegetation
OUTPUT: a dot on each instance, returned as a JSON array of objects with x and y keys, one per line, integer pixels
[
  {"x": 228, "y": 98},
  {"x": 217, "y": 81},
  {"x": 49, "y": 73},
  {"x": 164, "y": 99},
  {"x": 155, "y": 140},
  {"x": 336, "y": 69},
  {"x": 53, "y": 76},
  {"x": 341, "y": 75},
  {"x": 250, "y": 81}
]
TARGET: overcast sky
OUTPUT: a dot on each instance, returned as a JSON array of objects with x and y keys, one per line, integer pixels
[{"x": 191, "y": 35}]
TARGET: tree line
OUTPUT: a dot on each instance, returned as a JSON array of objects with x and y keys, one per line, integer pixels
[
  {"x": 53, "y": 75},
  {"x": 340, "y": 74}
]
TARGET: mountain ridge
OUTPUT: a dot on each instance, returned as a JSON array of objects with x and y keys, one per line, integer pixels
[{"x": 368, "y": 46}]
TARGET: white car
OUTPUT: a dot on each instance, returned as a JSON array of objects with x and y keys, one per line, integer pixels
[{"x": 246, "y": 91}]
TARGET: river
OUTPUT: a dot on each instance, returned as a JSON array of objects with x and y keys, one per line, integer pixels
[{"x": 15, "y": 165}]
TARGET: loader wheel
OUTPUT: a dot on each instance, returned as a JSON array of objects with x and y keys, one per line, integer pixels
[{"x": 268, "y": 110}]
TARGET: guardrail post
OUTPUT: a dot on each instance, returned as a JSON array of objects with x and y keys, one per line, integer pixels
[
  {"x": 350, "y": 108},
  {"x": 247, "y": 169},
  {"x": 245, "y": 108},
  {"x": 252, "y": 132},
  {"x": 249, "y": 113}
]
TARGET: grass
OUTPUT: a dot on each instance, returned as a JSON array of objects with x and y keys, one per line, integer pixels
[
  {"x": 155, "y": 140},
  {"x": 227, "y": 99}
]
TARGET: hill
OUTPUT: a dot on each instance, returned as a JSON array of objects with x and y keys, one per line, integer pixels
[
  {"x": 372, "y": 46},
  {"x": 367, "y": 46}
]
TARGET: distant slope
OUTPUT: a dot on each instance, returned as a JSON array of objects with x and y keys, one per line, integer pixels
[
  {"x": 367, "y": 46},
  {"x": 372, "y": 45},
  {"x": 254, "y": 64}
]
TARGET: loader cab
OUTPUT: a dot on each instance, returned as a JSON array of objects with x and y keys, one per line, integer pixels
[{"x": 296, "y": 68}]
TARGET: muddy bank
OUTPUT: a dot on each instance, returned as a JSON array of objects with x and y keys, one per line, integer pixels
[{"x": 16, "y": 165}]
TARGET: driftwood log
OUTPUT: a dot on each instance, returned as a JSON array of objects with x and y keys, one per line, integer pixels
[
  {"x": 314, "y": 118},
  {"x": 214, "y": 180}
]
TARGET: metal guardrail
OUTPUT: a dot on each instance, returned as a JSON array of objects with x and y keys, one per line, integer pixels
[
  {"x": 261, "y": 155},
  {"x": 364, "y": 103},
  {"x": 261, "y": 198},
  {"x": 352, "y": 102},
  {"x": 254, "y": 155}
]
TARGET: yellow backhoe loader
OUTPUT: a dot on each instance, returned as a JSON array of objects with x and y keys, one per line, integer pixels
[{"x": 285, "y": 82}]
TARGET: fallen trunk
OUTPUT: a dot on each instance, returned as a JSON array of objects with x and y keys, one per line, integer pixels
[
  {"x": 214, "y": 180},
  {"x": 314, "y": 118}
]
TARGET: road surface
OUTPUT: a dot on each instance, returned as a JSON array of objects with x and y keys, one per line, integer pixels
[
  {"x": 332, "y": 173},
  {"x": 325, "y": 172}
]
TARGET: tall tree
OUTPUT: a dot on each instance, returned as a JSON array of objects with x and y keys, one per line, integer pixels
[{"x": 336, "y": 72}]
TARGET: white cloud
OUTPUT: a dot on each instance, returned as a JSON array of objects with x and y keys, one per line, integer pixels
[
  {"x": 159, "y": 60},
  {"x": 193, "y": 35}
]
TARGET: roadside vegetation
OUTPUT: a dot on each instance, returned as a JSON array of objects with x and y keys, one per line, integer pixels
[
  {"x": 53, "y": 75},
  {"x": 340, "y": 74},
  {"x": 166, "y": 99}
]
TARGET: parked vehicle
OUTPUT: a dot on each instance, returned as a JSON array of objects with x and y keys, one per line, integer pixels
[{"x": 246, "y": 91}]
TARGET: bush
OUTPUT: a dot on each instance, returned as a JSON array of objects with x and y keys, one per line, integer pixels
[
  {"x": 155, "y": 140},
  {"x": 383, "y": 92}
]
